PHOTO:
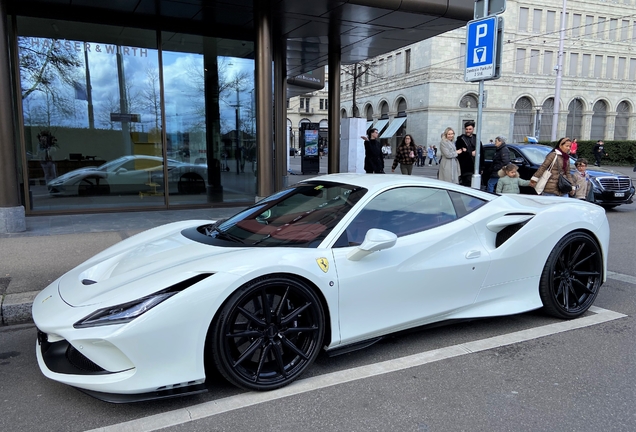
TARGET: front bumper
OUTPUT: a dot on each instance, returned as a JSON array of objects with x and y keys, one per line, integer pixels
[{"x": 614, "y": 197}]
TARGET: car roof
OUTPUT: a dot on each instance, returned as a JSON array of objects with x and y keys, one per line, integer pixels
[{"x": 377, "y": 182}]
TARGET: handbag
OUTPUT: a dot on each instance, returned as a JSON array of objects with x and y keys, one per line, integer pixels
[
  {"x": 543, "y": 180},
  {"x": 564, "y": 184}
]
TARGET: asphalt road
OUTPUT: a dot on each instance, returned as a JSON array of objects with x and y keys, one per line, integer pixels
[{"x": 581, "y": 379}]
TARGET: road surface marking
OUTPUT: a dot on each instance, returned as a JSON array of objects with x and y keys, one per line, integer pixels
[
  {"x": 212, "y": 408},
  {"x": 621, "y": 277}
]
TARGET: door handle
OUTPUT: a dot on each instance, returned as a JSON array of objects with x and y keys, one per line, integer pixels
[{"x": 473, "y": 254}]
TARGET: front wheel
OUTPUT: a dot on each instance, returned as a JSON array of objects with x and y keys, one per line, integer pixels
[
  {"x": 572, "y": 276},
  {"x": 268, "y": 333}
]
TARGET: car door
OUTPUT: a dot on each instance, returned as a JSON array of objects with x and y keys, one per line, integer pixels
[{"x": 437, "y": 265}]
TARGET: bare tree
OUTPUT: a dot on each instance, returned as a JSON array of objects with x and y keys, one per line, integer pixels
[
  {"x": 356, "y": 71},
  {"x": 149, "y": 96}
]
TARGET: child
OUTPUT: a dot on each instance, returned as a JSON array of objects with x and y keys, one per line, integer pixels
[{"x": 509, "y": 180}]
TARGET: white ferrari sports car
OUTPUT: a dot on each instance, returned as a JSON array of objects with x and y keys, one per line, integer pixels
[{"x": 332, "y": 263}]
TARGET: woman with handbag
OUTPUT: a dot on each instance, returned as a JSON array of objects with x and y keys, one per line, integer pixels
[
  {"x": 553, "y": 177},
  {"x": 405, "y": 155}
]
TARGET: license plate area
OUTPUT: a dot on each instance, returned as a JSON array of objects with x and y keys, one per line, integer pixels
[{"x": 619, "y": 194}]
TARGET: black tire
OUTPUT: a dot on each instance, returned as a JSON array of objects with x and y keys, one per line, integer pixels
[
  {"x": 191, "y": 184},
  {"x": 265, "y": 348},
  {"x": 92, "y": 186},
  {"x": 572, "y": 276}
]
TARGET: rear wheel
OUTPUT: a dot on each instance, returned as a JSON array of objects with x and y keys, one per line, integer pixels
[
  {"x": 268, "y": 333},
  {"x": 191, "y": 184},
  {"x": 572, "y": 276}
]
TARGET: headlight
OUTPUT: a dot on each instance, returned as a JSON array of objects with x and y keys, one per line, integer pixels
[
  {"x": 122, "y": 313},
  {"x": 126, "y": 312}
]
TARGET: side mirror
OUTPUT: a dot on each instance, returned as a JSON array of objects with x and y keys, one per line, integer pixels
[
  {"x": 518, "y": 161},
  {"x": 375, "y": 240},
  {"x": 121, "y": 170}
]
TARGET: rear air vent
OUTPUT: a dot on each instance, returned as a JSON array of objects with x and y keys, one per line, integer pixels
[{"x": 507, "y": 232}]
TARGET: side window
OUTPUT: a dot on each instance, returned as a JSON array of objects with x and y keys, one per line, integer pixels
[
  {"x": 514, "y": 154},
  {"x": 465, "y": 204},
  {"x": 489, "y": 153},
  {"x": 402, "y": 211}
]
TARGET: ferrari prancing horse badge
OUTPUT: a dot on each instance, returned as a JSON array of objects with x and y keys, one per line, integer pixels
[{"x": 323, "y": 264}]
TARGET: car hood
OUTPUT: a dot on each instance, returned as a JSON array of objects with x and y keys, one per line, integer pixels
[
  {"x": 139, "y": 266},
  {"x": 601, "y": 172}
]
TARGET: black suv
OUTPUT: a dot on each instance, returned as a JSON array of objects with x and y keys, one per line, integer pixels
[{"x": 610, "y": 188}]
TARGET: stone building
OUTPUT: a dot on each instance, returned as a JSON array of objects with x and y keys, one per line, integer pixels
[{"x": 421, "y": 87}]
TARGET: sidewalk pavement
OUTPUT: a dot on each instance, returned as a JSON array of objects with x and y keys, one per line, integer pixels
[{"x": 53, "y": 245}]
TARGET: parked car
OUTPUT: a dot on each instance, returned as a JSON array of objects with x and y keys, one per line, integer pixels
[
  {"x": 610, "y": 188},
  {"x": 336, "y": 263},
  {"x": 130, "y": 175}
]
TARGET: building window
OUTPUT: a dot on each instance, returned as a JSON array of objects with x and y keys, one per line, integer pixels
[
  {"x": 589, "y": 24},
  {"x": 524, "y": 13},
  {"x": 613, "y": 25},
  {"x": 600, "y": 34},
  {"x": 536, "y": 20},
  {"x": 469, "y": 101},
  {"x": 632, "y": 69},
  {"x": 462, "y": 55},
  {"x": 609, "y": 67},
  {"x": 598, "y": 66},
  {"x": 620, "y": 72},
  {"x": 307, "y": 105},
  {"x": 323, "y": 104},
  {"x": 520, "y": 65},
  {"x": 407, "y": 61},
  {"x": 574, "y": 63},
  {"x": 576, "y": 25},
  {"x": 548, "y": 62},
  {"x": 398, "y": 64},
  {"x": 534, "y": 61},
  {"x": 287, "y": 103},
  {"x": 625, "y": 31},
  {"x": 585, "y": 69},
  {"x": 599, "y": 119},
  {"x": 621, "y": 124},
  {"x": 549, "y": 23},
  {"x": 302, "y": 103}
]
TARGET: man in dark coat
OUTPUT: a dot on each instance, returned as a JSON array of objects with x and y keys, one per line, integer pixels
[
  {"x": 500, "y": 159},
  {"x": 373, "y": 160},
  {"x": 599, "y": 152},
  {"x": 466, "y": 159}
]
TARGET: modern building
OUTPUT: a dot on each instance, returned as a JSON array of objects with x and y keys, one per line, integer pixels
[
  {"x": 421, "y": 89},
  {"x": 155, "y": 104}
]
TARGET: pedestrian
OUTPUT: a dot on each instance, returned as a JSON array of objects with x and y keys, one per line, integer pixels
[
  {"x": 466, "y": 159},
  {"x": 599, "y": 152},
  {"x": 430, "y": 153},
  {"x": 509, "y": 180},
  {"x": 448, "y": 165},
  {"x": 582, "y": 181},
  {"x": 420, "y": 156},
  {"x": 500, "y": 159},
  {"x": 373, "y": 162},
  {"x": 405, "y": 155},
  {"x": 573, "y": 148},
  {"x": 386, "y": 151},
  {"x": 558, "y": 163},
  {"x": 435, "y": 154}
]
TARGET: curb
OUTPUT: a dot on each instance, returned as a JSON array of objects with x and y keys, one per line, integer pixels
[{"x": 16, "y": 308}]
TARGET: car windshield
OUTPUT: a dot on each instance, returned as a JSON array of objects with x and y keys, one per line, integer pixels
[
  {"x": 301, "y": 216},
  {"x": 537, "y": 154}
]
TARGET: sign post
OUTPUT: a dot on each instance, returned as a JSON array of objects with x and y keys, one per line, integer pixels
[{"x": 483, "y": 60}]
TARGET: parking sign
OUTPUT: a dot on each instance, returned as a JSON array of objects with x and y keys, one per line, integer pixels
[{"x": 481, "y": 46}]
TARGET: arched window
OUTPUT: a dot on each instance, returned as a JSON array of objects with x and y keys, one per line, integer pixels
[
  {"x": 575, "y": 119},
  {"x": 599, "y": 118},
  {"x": 343, "y": 113},
  {"x": 300, "y": 123},
  {"x": 621, "y": 127},
  {"x": 401, "y": 108},
  {"x": 523, "y": 120},
  {"x": 324, "y": 124},
  {"x": 469, "y": 101},
  {"x": 547, "y": 112},
  {"x": 369, "y": 113},
  {"x": 384, "y": 110}
]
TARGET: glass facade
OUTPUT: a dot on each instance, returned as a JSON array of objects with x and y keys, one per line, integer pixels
[{"x": 118, "y": 117}]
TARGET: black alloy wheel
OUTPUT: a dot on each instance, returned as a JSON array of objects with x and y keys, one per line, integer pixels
[
  {"x": 268, "y": 333},
  {"x": 572, "y": 276},
  {"x": 92, "y": 186}
]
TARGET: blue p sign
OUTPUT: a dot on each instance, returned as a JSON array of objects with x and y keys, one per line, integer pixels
[{"x": 481, "y": 42}]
